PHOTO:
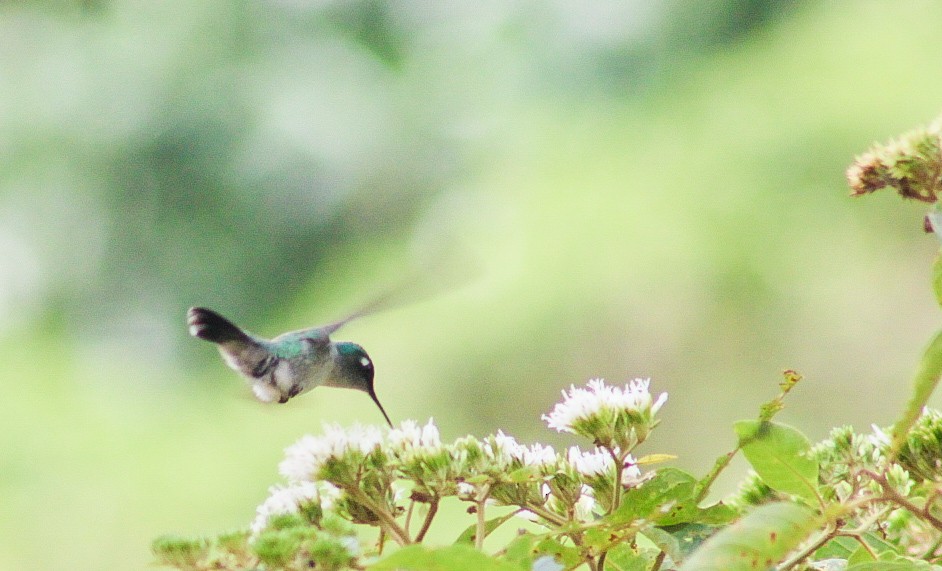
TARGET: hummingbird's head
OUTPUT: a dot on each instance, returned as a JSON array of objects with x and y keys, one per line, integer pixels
[{"x": 356, "y": 371}]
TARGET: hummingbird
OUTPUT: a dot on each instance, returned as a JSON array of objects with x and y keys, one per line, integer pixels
[{"x": 291, "y": 364}]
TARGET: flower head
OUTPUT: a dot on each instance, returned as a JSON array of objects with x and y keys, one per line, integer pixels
[
  {"x": 610, "y": 416},
  {"x": 291, "y": 499},
  {"x": 599, "y": 463},
  {"x": 306, "y": 459},
  {"x": 506, "y": 452}
]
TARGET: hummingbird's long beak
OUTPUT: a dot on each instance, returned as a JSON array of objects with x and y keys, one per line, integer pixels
[{"x": 372, "y": 394}]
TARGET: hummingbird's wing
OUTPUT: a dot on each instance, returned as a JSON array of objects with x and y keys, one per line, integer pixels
[
  {"x": 414, "y": 287},
  {"x": 242, "y": 351},
  {"x": 380, "y": 303}
]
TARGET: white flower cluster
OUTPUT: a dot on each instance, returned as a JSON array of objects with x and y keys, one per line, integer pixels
[
  {"x": 283, "y": 500},
  {"x": 616, "y": 418},
  {"x": 410, "y": 440},
  {"x": 304, "y": 459},
  {"x": 601, "y": 400},
  {"x": 599, "y": 462},
  {"x": 506, "y": 451}
]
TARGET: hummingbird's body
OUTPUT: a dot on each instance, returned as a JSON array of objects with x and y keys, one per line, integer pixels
[{"x": 288, "y": 365}]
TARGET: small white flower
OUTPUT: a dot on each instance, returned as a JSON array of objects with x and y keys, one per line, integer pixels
[
  {"x": 599, "y": 462},
  {"x": 304, "y": 459},
  {"x": 411, "y": 440},
  {"x": 407, "y": 434},
  {"x": 609, "y": 415},
  {"x": 503, "y": 449},
  {"x": 541, "y": 456},
  {"x": 284, "y": 500},
  {"x": 584, "y": 505},
  {"x": 351, "y": 544},
  {"x": 466, "y": 490},
  {"x": 595, "y": 463}
]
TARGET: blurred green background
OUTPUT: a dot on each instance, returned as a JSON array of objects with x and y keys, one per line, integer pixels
[{"x": 647, "y": 189}]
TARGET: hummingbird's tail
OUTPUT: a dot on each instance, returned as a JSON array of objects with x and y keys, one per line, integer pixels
[{"x": 209, "y": 325}]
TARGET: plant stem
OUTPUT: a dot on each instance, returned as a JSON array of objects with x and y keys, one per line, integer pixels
[
  {"x": 479, "y": 534},
  {"x": 827, "y": 536},
  {"x": 432, "y": 509},
  {"x": 721, "y": 463},
  {"x": 545, "y": 514},
  {"x": 385, "y": 518},
  {"x": 481, "y": 526},
  {"x": 408, "y": 523},
  {"x": 619, "y": 459},
  {"x": 892, "y": 496},
  {"x": 658, "y": 561}
]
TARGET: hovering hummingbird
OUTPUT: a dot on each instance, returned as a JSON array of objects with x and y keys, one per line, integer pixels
[{"x": 292, "y": 363}]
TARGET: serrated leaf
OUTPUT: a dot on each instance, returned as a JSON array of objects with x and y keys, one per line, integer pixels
[
  {"x": 468, "y": 535},
  {"x": 924, "y": 383},
  {"x": 452, "y": 558},
  {"x": 778, "y": 453},
  {"x": 757, "y": 541}
]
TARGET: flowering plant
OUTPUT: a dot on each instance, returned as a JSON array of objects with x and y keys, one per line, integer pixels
[{"x": 366, "y": 498}]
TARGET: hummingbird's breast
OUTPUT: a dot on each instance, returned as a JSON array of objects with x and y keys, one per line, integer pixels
[{"x": 300, "y": 373}]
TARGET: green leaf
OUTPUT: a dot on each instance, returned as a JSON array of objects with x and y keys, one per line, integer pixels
[
  {"x": 777, "y": 452},
  {"x": 860, "y": 555},
  {"x": 568, "y": 556},
  {"x": 837, "y": 548},
  {"x": 624, "y": 557},
  {"x": 520, "y": 550},
  {"x": 757, "y": 541},
  {"x": 468, "y": 535},
  {"x": 666, "y": 498},
  {"x": 924, "y": 383},
  {"x": 665, "y": 541},
  {"x": 689, "y": 537},
  {"x": 452, "y": 558},
  {"x": 847, "y": 548},
  {"x": 526, "y": 549}
]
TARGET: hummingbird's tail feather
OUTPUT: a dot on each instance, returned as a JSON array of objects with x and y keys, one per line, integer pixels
[{"x": 209, "y": 325}]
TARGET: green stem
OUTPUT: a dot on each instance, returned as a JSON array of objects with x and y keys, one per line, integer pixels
[
  {"x": 545, "y": 514},
  {"x": 703, "y": 486},
  {"x": 619, "y": 460},
  {"x": 408, "y": 524},
  {"x": 385, "y": 518},
  {"x": 479, "y": 534},
  {"x": 481, "y": 527},
  {"x": 825, "y": 537}
]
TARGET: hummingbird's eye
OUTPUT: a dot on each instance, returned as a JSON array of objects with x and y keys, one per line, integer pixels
[{"x": 365, "y": 361}]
